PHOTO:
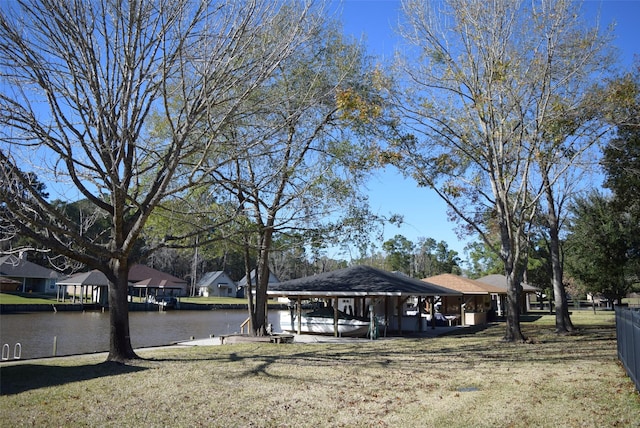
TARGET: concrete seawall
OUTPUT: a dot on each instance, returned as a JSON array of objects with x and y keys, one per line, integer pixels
[{"x": 8, "y": 309}]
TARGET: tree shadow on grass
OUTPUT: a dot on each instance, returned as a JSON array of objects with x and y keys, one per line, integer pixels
[
  {"x": 25, "y": 377},
  {"x": 416, "y": 353}
]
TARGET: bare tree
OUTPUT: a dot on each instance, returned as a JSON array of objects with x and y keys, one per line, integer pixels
[
  {"x": 80, "y": 82},
  {"x": 480, "y": 102},
  {"x": 571, "y": 116},
  {"x": 297, "y": 160}
]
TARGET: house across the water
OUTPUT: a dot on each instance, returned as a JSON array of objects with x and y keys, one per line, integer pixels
[
  {"x": 216, "y": 284},
  {"x": 19, "y": 274}
]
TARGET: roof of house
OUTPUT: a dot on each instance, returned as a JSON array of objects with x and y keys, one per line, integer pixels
[
  {"x": 17, "y": 267},
  {"x": 94, "y": 277},
  {"x": 212, "y": 278},
  {"x": 357, "y": 281},
  {"x": 500, "y": 281},
  {"x": 141, "y": 275},
  {"x": 464, "y": 285},
  {"x": 243, "y": 282}
]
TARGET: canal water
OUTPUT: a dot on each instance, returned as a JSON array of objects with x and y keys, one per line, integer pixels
[{"x": 87, "y": 332}]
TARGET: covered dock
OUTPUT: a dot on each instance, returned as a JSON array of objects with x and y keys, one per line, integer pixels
[
  {"x": 479, "y": 299},
  {"x": 93, "y": 287},
  {"x": 365, "y": 291}
]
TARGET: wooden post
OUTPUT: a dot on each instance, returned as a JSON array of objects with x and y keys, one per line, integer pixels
[
  {"x": 386, "y": 313},
  {"x": 335, "y": 317},
  {"x": 432, "y": 309},
  {"x": 419, "y": 313},
  {"x": 399, "y": 309},
  {"x": 299, "y": 310}
]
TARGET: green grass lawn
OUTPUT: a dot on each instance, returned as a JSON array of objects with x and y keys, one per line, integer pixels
[
  {"x": 470, "y": 379},
  {"x": 27, "y": 299},
  {"x": 214, "y": 300},
  {"x": 46, "y": 299},
  {"x": 221, "y": 301}
]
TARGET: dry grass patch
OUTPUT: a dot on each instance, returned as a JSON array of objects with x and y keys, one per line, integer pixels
[{"x": 455, "y": 381}]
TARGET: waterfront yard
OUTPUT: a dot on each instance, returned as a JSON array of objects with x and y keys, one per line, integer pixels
[
  {"x": 48, "y": 299},
  {"x": 463, "y": 380}
]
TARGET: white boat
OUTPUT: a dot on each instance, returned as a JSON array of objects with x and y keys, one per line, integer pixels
[
  {"x": 441, "y": 320},
  {"x": 164, "y": 302},
  {"x": 320, "y": 321}
]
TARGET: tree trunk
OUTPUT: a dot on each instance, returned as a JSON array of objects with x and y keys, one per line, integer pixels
[
  {"x": 513, "y": 332},
  {"x": 120, "y": 349},
  {"x": 248, "y": 287},
  {"x": 262, "y": 283},
  {"x": 563, "y": 322},
  {"x": 510, "y": 254}
]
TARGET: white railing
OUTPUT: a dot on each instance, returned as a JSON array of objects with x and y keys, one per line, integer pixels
[{"x": 6, "y": 351}]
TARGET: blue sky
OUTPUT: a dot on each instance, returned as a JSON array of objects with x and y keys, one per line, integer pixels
[{"x": 425, "y": 214}]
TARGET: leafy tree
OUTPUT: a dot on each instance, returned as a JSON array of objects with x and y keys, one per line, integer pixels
[
  {"x": 80, "y": 83},
  {"x": 599, "y": 246},
  {"x": 447, "y": 261},
  {"x": 621, "y": 159},
  {"x": 482, "y": 86},
  {"x": 188, "y": 230},
  {"x": 326, "y": 264},
  {"x": 295, "y": 164},
  {"x": 288, "y": 258},
  {"x": 483, "y": 260},
  {"x": 399, "y": 251},
  {"x": 425, "y": 259}
]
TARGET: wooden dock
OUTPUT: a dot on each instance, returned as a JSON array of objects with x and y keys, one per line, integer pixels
[{"x": 245, "y": 338}]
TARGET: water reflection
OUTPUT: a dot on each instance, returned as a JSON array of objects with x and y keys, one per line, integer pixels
[{"x": 87, "y": 332}]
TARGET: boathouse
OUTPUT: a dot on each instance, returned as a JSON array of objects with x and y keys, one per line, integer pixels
[
  {"x": 147, "y": 281},
  {"x": 478, "y": 304},
  {"x": 93, "y": 287},
  {"x": 362, "y": 291},
  {"x": 143, "y": 282},
  {"x": 500, "y": 281}
]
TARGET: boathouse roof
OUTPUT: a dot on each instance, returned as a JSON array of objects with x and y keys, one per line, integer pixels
[
  {"x": 500, "y": 281},
  {"x": 464, "y": 285},
  {"x": 358, "y": 281},
  {"x": 92, "y": 278}
]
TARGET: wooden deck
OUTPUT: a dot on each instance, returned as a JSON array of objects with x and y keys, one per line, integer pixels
[{"x": 244, "y": 338}]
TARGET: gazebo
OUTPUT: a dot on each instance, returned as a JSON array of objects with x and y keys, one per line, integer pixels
[{"x": 362, "y": 290}]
